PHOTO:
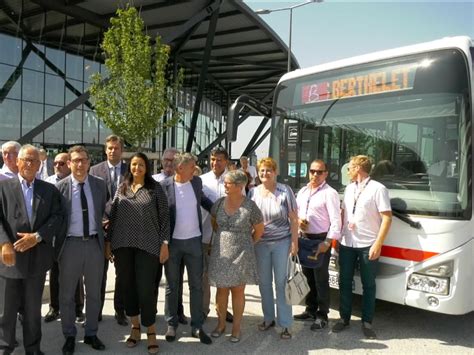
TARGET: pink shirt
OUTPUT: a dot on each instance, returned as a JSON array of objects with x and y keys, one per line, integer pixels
[{"x": 321, "y": 208}]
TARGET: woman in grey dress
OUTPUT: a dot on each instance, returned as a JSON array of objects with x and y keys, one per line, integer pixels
[{"x": 239, "y": 225}]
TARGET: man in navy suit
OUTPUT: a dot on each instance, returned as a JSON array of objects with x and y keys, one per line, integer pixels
[
  {"x": 185, "y": 197},
  {"x": 112, "y": 171},
  {"x": 30, "y": 212},
  {"x": 80, "y": 247}
]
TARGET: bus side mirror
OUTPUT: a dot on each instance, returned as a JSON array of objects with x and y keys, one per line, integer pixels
[{"x": 232, "y": 121}]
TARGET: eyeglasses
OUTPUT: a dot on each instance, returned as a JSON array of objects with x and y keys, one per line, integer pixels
[
  {"x": 29, "y": 161},
  {"x": 59, "y": 163},
  {"x": 77, "y": 161},
  {"x": 317, "y": 172}
]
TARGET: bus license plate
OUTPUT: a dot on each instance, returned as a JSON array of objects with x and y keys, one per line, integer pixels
[{"x": 334, "y": 280}]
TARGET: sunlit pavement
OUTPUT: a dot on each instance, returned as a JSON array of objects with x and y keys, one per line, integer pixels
[{"x": 400, "y": 329}]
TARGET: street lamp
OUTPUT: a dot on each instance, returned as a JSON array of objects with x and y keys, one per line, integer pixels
[{"x": 290, "y": 8}]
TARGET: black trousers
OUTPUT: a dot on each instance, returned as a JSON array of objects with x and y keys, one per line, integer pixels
[
  {"x": 118, "y": 293},
  {"x": 317, "y": 301},
  {"x": 12, "y": 292},
  {"x": 159, "y": 275},
  {"x": 137, "y": 269},
  {"x": 54, "y": 291}
]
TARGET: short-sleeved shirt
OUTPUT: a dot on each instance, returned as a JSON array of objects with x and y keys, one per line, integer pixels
[
  {"x": 365, "y": 218},
  {"x": 275, "y": 210}
]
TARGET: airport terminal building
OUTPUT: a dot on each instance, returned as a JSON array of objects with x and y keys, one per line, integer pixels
[{"x": 50, "y": 48}]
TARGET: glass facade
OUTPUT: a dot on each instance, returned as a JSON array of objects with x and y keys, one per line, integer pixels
[{"x": 32, "y": 91}]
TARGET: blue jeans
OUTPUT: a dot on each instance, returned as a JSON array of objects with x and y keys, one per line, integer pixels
[{"x": 272, "y": 259}]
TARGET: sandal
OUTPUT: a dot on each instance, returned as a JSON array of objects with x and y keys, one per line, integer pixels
[
  {"x": 152, "y": 348},
  {"x": 132, "y": 341},
  {"x": 216, "y": 333},
  {"x": 234, "y": 338},
  {"x": 285, "y": 334},
  {"x": 264, "y": 326}
]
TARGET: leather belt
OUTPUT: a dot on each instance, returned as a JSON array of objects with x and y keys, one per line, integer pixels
[
  {"x": 93, "y": 236},
  {"x": 315, "y": 236}
]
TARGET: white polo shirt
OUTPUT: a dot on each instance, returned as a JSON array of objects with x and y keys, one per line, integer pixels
[{"x": 365, "y": 219}]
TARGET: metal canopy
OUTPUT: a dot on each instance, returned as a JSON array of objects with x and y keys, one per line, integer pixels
[{"x": 246, "y": 56}]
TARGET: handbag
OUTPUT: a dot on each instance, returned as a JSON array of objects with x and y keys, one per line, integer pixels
[
  {"x": 296, "y": 288},
  {"x": 307, "y": 250}
]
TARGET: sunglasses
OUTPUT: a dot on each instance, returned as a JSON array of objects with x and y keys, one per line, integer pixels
[
  {"x": 317, "y": 172},
  {"x": 59, "y": 163}
]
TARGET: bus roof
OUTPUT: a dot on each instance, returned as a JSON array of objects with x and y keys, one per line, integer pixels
[{"x": 462, "y": 42}]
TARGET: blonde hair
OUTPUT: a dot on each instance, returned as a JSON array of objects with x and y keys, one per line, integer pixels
[
  {"x": 268, "y": 162},
  {"x": 363, "y": 161}
]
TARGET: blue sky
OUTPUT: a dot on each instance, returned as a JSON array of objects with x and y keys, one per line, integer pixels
[{"x": 336, "y": 29}]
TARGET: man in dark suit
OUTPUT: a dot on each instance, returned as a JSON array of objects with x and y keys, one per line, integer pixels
[
  {"x": 30, "y": 212},
  {"x": 184, "y": 193},
  {"x": 80, "y": 247},
  {"x": 61, "y": 170},
  {"x": 112, "y": 171}
]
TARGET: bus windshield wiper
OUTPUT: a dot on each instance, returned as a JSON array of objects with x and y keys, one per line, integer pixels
[{"x": 405, "y": 218}]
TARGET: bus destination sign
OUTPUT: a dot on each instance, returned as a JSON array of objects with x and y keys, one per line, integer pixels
[{"x": 394, "y": 78}]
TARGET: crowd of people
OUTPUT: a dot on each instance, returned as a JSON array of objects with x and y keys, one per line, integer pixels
[{"x": 227, "y": 228}]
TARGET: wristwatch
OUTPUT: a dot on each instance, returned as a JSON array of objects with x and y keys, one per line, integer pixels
[
  {"x": 38, "y": 238},
  {"x": 328, "y": 242}
]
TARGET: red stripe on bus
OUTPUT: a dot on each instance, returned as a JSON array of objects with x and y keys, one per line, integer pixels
[{"x": 406, "y": 254}]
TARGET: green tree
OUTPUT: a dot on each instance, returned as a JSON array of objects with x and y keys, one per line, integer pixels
[{"x": 136, "y": 95}]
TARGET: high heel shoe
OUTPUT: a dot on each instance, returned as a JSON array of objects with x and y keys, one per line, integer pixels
[
  {"x": 152, "y": 348},
  {"x": 131, "y": 340}
]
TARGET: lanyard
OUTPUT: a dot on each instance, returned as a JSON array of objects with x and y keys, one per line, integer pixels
[
  {"x": 310, "y": 196},
  {"x": 356, "y": 197}
]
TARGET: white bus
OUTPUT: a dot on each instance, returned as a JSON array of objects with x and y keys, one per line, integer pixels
[{"x": 410, "y": 109}]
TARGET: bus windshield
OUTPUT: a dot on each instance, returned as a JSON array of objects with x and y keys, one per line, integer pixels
[{"x": 411, "y": 115}]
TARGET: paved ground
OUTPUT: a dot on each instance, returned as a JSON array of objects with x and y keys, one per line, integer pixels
[{"x": 400, "y": 329}]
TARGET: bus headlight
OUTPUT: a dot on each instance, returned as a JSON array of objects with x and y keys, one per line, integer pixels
[{"x": 429, "y": 284}]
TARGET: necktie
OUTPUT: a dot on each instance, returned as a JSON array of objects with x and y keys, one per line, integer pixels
[
  {"x": 85, "y": 211},
  {"x": 29, "y": 201},
  {"x": 114, "y": 175}
]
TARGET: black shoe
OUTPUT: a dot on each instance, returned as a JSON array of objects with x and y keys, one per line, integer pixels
[
  {"x": 319, "y": 324},
  {"x": 94, "y": 342},
  {"x": 80, "y": 317},
  {"x": 182, "y": 319},
  {"x": 69, "y": 346},
  {"x": 304, "y": 316},
  {"x": 229, "y": 318},
  {"x": 121, "y": 318},
  {"x": 170, "y": 334},
  {"x": 368, "y": 331},
  {"x": 51, "y": 315},
  {"x": 340, "y": 326},
  {"x": 203, "y": 337}
]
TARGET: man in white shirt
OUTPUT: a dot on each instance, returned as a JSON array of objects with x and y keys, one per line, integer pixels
[
  {"x": 61, "y": 170},
  {"x": 367, "y": 217},
  {"x": 213, "y": 188},
  {"x": 46, "y": 168},
  {"x": 167, "y": 164},
  {"x": 245, "y": 166},
  {"x": 9, "y": 154},
  {"x": 185, "y": 197}
]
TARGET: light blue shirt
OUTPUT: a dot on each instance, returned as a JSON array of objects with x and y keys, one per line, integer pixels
[
  {"x": 75, "y": 225},
  {"x": 27, "y": 195}
]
